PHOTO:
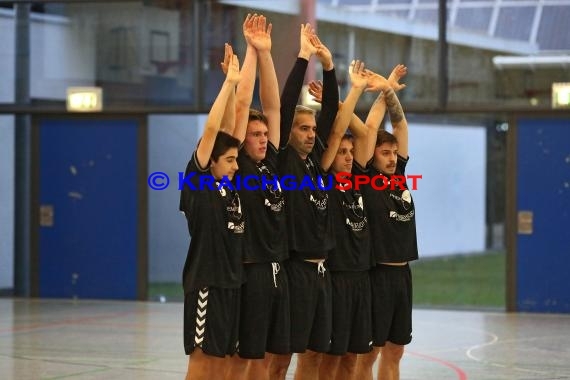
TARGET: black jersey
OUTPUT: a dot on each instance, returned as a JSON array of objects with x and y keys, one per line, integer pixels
[
  {"x": 391, "y": 216},
  {"x": 309, "y": 222},
  {"x": 351, "y": 231},
  {"x": 263, "y": 203},
  {"x": 216, "y": 226}
]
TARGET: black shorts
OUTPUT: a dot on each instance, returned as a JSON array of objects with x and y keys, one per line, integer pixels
[
  {"x": 211, "y": 320},
  {"x": 311, "y": 310},
  {"x": 264, "y": 319},
  {"x": 352, "y": 313},
  {"x": 391, "y": 304}
]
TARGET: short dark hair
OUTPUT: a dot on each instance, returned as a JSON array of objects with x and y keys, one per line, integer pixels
[
  {"x": 257, "y": 115},
  {"x": 384, "y": 136},
  {"x": 223, "y": 143}
]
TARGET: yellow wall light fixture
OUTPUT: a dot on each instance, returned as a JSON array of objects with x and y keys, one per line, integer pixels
[
  {"x": 84, "y": 99},
  {"x": 561, "y": 95}
]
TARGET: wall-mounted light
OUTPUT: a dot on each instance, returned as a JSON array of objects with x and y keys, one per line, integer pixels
[
  {"x": 561, "y": 95},
  {"x": 84, "y": 99}
]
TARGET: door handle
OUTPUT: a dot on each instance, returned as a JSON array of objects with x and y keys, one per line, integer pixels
[
  {"x": 525, "y": 222},
  {"x": 46, "y": 215}
]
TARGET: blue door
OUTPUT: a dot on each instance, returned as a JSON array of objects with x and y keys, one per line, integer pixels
[
  {"x": 543, "y": 207},
  {"x": 88, "y": 239}
]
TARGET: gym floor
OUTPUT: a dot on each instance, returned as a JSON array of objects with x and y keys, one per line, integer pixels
[{"x": 66, "y": 339}]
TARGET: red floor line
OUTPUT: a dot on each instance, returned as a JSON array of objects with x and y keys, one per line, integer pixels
[{"x": 461, "y": 375}]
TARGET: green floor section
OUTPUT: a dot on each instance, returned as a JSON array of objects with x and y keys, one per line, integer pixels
[
  {"x": 165, "y": 292},
  {"x": 462, "y": 281},
  {"x": 476, "y": 280}
]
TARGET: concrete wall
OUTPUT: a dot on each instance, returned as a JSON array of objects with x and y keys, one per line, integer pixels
[
  {"x": 450, "y": 199},
  {"x": 172, "y": 139}
]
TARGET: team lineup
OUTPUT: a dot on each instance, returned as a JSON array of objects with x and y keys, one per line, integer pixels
[{"x": 321, "y": 271}]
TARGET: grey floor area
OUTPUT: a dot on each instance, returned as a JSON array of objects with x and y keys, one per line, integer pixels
[{"x": 61, "y": 339}]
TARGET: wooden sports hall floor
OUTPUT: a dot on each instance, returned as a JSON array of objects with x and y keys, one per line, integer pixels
[{"x": 88, "y": 340}]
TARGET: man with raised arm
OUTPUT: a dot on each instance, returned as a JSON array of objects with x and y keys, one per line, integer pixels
[
  {"x": 213, "y": 272},
  {"x": 349, "y": 260},
  {"x": 309, "y": 222},
  {"x": 264, "y": 316},
  {"x": 392, "y": 224}
]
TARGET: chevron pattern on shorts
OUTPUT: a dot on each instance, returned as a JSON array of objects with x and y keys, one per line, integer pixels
[{"x": 201, "y": 317}]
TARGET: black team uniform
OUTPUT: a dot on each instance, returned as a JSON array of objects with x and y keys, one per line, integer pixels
[
  {"x": 265, "y": 319},
  {"x": 392, "y": 224},
  {"x": 213, "y": 270},
  {"x": 309, "y": 222},
  {"x": 349, "y": 263}
]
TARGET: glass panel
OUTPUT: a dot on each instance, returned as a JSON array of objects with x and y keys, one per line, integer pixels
[
  {"x": 428, "y": 15},
  {"x": 553, "y": 31},
  {"x": 354, "y": 2},
  {"x": 382, "y": 2},
  {"x": 473, "y": 18},
  {"x": 398, "y": 14},
  {"x": 515, "y": 23},
  {"x": 140, "y": 53}
]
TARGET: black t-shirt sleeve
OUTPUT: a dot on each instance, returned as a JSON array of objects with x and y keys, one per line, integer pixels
[
  {"x": 271, "y": 154},
  {"x": 329, "y": 105},
  {"x": 401, "y": 165},
  {"x": 357, "y": 169},
  {"x": 290, "y": 96},
  {"x": 318, "y": 150},
  {"x": 194, "y": 182}
]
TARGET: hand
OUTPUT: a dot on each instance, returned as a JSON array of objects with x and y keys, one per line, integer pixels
[
  {"x": 358, "y": 75},
  {"x": 376, "y": 82},
  {"x": 307, "y": 49},
  {"x": 316, "y": 90},
  {"x": 323, "y": 53},
  {"x": 228, "y": 53},
  {"x": 397, "y": 73},
  {"x": 261, "y": 36},
  {"x": 249, "y": 26},
  {"x": 233, "y": 76}
]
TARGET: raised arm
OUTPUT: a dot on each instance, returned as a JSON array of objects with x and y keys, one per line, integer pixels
[
  {"x": 268, "y": 86},
  {"x": 397, "y": 117},
  {"x": 364, "y": 140},
  {"x": 212, "y": 126},
  {"x": 330, "y": 96},
  {"x": 356, "y": 126},
  {"x": 359, "y": 81},
  {"x": 294, "y": 83},
  {"x": 229, "y": 118},
  {"x": 364, "y": 146},
  {"x": 244, "y": 93},
  {"x": 398, "y": 121},
  {"x": 398, "y": 72}
]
